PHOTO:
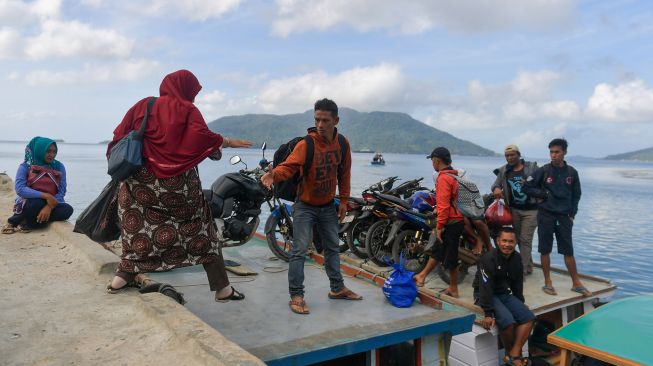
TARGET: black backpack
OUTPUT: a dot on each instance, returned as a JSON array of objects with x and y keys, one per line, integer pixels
[{"x": 287, "y": 190}]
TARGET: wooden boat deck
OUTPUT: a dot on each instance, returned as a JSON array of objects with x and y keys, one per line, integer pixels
[
  {"x": 536, "y": 299},
  {"x": 263, "y": 325}
]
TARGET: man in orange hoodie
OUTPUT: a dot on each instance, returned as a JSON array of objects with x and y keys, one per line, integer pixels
[
  {"x": 450, "y": 222},
  {"x": 315, "y": 202}
]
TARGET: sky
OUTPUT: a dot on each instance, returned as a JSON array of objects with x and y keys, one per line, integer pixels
[{"x": 493, "y": 72}]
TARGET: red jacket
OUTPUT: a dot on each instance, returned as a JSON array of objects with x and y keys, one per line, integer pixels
[
  {"x": 318, "y": 186},
  {"x": 446, "y": 194}
]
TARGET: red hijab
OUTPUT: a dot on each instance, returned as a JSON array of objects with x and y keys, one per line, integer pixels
[{"x": 176, "y": 138}]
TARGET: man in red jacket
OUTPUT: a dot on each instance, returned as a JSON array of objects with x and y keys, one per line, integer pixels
[{"x": 450, "y": 222}]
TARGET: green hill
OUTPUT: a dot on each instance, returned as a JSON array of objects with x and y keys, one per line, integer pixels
[
  {"x": 641, "y": 155},
  {"x": 388, "y": 132}
]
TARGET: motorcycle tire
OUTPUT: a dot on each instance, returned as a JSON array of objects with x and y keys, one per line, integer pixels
[
  {"x": 355, "y": 236},
  {"x": 280, "y": 239},
  {"x": 415, "y": 261},
  {"x": 374, "y": 241},
  {"x": 463, "y": 270}
]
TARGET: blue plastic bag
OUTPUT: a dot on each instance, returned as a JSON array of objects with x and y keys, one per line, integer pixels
[{"x": 399, "y": 288}]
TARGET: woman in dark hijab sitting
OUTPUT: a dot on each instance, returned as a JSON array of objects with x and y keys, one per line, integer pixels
[
  {"x": 40, "y": 188},
  {"x": 165, "y": 221}
]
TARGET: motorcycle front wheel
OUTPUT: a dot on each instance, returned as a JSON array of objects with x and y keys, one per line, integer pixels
[
  {"x": 279, "y": 238},
  {"x": 355, "y": 236},
  {"x": 415, "y": 260},
  {"x": 375, "y": 240}
]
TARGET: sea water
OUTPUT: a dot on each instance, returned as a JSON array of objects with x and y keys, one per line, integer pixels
[{"x": 612, "y": 231}]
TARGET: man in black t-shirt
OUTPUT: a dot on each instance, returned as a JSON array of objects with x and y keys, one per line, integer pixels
[{"x": 508, "y": 185}]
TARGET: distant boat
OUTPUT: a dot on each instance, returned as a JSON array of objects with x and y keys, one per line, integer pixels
[{"x": 378, "y": 159}]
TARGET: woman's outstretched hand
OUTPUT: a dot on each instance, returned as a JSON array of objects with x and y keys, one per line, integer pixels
[{"x": 230, "y": 142}]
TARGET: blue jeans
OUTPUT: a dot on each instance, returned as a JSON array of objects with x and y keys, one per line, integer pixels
[
  {"x": 509, "y": 310},
  {"x": 304, "y": 218},
  {"x": 31, "y": 210}
]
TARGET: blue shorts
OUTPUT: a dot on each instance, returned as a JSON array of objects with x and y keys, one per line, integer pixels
[
  {"x": 509, "y": 310},
  {"x": 550, "y": 224}
]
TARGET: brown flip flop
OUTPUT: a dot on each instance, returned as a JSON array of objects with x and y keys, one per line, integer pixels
[
  {"x": 9, "y": 229},
  {"x": 346, "y": 294},
  {"x": 417, "y": 283},
  {"x": 447, "y": 292},
  {"x": 298, "y": 306}
]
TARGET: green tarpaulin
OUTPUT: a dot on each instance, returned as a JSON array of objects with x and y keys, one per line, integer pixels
[{"x": 623, "y": 328}]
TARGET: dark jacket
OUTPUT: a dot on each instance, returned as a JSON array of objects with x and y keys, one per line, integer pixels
[
  {"x": 559, "y": 187},
  {"x": 498, "y": 275},
  {"x": 501, "y": 182}
]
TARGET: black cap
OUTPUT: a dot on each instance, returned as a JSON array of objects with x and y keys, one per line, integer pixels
[{"x": 440, "y": 152}]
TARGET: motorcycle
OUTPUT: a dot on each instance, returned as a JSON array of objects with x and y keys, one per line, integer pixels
[
  {"x": 235, "y": 201},
  {"x": 359, "y": 219},
  {"x": 376, "y": 237}
]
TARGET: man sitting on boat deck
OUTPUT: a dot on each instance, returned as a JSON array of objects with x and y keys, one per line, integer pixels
[{"x": 498, "y": 289}]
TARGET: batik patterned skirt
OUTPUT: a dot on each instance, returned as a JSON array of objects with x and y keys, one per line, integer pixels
[{"x": 165, "y": 223}]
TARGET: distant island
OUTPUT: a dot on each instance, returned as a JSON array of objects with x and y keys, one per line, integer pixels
[
  {"x": 387, "y": 132},
  {"x": 640, "y": 155}
]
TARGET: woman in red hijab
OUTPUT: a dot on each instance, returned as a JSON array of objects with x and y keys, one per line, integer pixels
[{"x": 165, "y": 221}]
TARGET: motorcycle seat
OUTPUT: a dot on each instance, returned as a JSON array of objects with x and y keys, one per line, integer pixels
[
  {"x": 358, "y": 200},
  {"x": 395, "y": 200},
  {"x": 425, "y": 215},
  {"x": 216, "y": 204}
]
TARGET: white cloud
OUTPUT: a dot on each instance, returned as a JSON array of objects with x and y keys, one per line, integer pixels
[
  {"x": 419, "y": 15},
  {"x": 194, "y": 10},
  {"x": 9, "y": 43},
  {"x": 383, "y": 86},
  {"x": 624, "y": 103},
  {"x": 65, "y": 39},
  {"x": 521, "y": 102},
  {"x": 121, "y": 71},
  {"x": 16, "y": 12},
  {"x": 535, "y": 139}
]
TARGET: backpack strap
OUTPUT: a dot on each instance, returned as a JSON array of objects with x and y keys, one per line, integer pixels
[
  {"x": 343, "y": 152},
  {"x": 310, "y": 151}
]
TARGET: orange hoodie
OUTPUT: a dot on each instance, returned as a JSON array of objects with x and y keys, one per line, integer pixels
[
  {"x": 446, "y": 193},
  {"x": 318, "y": 187}
]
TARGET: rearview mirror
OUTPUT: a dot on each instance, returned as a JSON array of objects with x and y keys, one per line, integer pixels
[
  {"x": 265, "y": 144},
  {"x": 235, "y": 160}
]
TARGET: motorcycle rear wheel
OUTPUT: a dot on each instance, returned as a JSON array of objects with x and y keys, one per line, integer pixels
[
  {"x": 355, "y": 237},
  {"x": 415, "y": 261},
  {"x": 375, "y": 240},
  {"x": 280, "y": 238}
]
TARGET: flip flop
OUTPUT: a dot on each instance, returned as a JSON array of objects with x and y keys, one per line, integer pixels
[
  {"x": 582, "y": 290},
  {"x": 417, "y": 283},
  {"x": 235, "y": 295},
  {"x": 23, "y": 229},
  {"x": 347, "y": 294},
  {"x": 111, "y": 290},
  {"x": 447, "y": 292},
  {"x": 549, "y": 290},
  {"x": 9, "y": 229},
  {"x": 298, "y": 306}
]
